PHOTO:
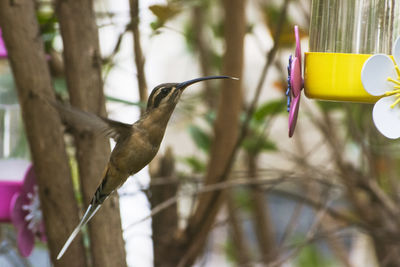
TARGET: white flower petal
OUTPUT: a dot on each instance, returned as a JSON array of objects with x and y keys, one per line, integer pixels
[
  {"x": 375, "y": 72},
  {"x": 387, "y": 119},
  {"x": 396, "y": 51}
]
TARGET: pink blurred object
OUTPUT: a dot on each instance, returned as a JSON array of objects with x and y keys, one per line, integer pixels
[
  {"x": 3, "y": 51},
  {"x": 19, "y": 204},
  {"x": 7, "y": 190},
  {"x": 295, "y": 84}
]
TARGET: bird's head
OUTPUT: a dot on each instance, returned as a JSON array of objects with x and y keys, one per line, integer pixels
[{"x": 166, "y": 95}]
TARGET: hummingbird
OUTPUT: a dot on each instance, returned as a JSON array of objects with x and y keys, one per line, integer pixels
[{"x": 136, "y": 144}]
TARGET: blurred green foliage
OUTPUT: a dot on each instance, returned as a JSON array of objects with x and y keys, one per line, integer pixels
[
  {"x": 312, "y": 256},
  {"x": 256, "y": 141},
  {"x": 229, "y": 249},
  {"x": 243, "y": 200},
  {"x": 48, "y": 27},
  {"x": 195, "y": 164},
  {"x": 200, "y": 138}
]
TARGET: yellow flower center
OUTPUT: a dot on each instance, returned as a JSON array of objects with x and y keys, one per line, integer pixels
[{"x": 396, "y": 87}]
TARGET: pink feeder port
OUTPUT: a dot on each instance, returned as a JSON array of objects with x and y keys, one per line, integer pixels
[
  {"x": 295, "y": 76},
  {"x": 12, "y": 173},
  {"x": 7, "y": 190},
  {"x": 20, "y": 204},
  {"x": 295, "y": 84}
]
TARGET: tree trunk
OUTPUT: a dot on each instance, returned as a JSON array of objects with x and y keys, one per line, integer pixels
[
  {"x": 83, "y": 71},
  {"x": 165, "y": 224},
  {"x": 242, "y": 253},
  {"x": 43, "y": 128},
  {"x": 225, "y": 128},
  {"x": 261, "y": 220}
]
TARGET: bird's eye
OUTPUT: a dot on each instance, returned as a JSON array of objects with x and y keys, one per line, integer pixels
[{"x": 165, "y": 90}]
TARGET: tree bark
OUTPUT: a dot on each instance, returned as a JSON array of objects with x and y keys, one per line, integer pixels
[
  {"x": 165, "y": 224},
  {"x": 242, "y": 253},
  {"x": 225, "y": 128},
  {"x": 83, "y": 72},
  {"x": 261, "y": 220},
  {"x": 43, "y": 128}
]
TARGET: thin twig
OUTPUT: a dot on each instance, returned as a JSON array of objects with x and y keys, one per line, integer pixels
[
  {"x": 139, "y": 58},
  {"x": 296, "y": 248},
  {"x": 245, "y": 182}
]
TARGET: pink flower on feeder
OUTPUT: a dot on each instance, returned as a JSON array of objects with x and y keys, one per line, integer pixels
[
  {"x": 19, "y": 204},
  {"x": 3, "y": 51},
  {"x": 295, "y": 84}
]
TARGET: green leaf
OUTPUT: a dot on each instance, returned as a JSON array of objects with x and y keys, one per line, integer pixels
[
  {"x": 216, "y": 60},
  {"x": 48, "y": 28},
  {"x": 268, "y": 145},
  {"x": 270, "y": 108},
  {"x": 155, "y": 25},
  {"x": 311, "y": 256},
  {"x": 200, "y": 137},
  {"x": 190, "y": 37},
  {"x": 256, "y": 145},
  {"x": 218, "y": 29},
  {"x": 210, "y": 117},
  {"x": 195, "y": 164}
]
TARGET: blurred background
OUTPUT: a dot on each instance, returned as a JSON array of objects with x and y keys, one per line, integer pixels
[{"x": 228, "y": 187}]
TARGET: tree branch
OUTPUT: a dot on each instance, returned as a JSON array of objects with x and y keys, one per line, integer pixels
[
  {"x": 43, "y": 127},
  {"x": 139, "y": 59},
  {"x": 85, "y": 86},
  {"x": 226, "y": 132},
  {"x": 200, "y": 223}
]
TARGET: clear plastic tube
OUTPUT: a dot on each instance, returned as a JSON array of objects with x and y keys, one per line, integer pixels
[{"x": 354, "y": 26}]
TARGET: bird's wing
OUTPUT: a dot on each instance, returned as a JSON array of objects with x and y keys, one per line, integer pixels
[{"x": 83, "y": 121}]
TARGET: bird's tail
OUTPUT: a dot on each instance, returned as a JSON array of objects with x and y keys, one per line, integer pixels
[
  {"x": 90, "y": 212},
  {"x": 99, "y": 197}
]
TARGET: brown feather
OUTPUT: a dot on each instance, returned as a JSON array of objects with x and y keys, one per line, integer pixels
[{"x": 82, "y": 121}]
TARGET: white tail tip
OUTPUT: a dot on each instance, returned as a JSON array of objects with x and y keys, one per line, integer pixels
[{"x": 88, "y": 215}]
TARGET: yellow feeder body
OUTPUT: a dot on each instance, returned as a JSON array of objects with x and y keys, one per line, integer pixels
[{"x": 335, "y": 76}]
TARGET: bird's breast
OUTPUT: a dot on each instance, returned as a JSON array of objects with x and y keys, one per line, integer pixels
[{"x": 134, "y": 153}]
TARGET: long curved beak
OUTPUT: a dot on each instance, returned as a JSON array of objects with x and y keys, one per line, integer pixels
[{"x": 185, "y": 84}]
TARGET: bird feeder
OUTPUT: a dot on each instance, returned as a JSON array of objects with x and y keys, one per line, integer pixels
[
  {"x": 3, "y": 51},
  {"x": 19, "y": 203},
  {"x": 354, "y": 49}
]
